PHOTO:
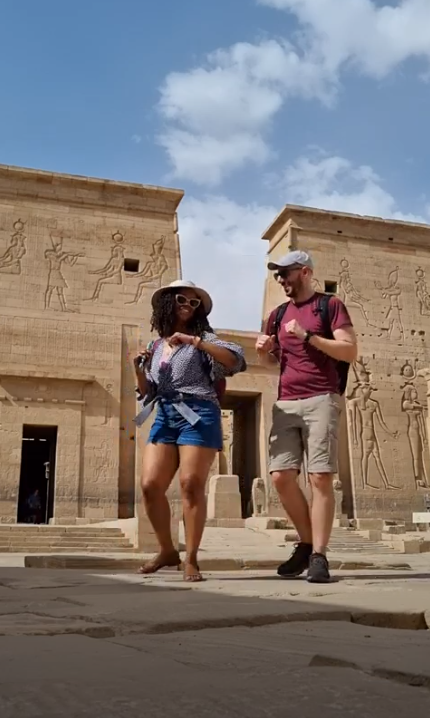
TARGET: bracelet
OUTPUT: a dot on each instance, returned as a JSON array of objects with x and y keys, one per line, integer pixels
[{"x": 197, "y": 341}]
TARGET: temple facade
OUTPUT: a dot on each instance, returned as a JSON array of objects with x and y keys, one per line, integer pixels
[{"x": 79, "y": 260}]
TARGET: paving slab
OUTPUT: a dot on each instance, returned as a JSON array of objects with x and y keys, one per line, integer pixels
[
  {"x": 398, "y": 654},
  {"x": 127, "y": 603},
  {"x": 77, "y": 676}
]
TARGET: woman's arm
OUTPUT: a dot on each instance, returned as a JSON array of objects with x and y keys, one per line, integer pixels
[
  {"x": 219, "y": 353},
  {"x": 139, "y": 369}
]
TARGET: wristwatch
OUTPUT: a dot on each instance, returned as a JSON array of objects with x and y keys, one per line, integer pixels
[{"x": 308, "y": 335}]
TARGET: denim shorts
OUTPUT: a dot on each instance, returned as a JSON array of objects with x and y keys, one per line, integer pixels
[{"x": 170, "y": 427}]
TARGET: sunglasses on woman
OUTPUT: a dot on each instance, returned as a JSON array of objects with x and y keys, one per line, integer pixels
[{"x": 186, "y": 302}]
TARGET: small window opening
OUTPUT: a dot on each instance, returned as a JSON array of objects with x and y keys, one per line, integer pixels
[
  {"x": 330, "y": 287},
  {"x": 131, "y": 265}
]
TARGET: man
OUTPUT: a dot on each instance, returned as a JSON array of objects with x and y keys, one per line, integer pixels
[{"x": 306, "y": 415}]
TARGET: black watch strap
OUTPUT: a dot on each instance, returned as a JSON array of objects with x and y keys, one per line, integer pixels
[{"x": 308, "y": 335}]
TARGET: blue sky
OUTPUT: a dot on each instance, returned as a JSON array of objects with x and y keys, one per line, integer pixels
[{"x": 246, "y": 104}]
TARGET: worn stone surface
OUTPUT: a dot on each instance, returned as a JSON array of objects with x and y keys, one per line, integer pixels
[
  {"x": 127, "y": 603},
  {"x": 235, "y": 674},
  {"x": 161, "y": 647}
]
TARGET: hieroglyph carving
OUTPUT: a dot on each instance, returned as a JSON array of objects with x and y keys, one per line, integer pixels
[
  {"x": 364, "y": 413},
  {"x": 416, "y": 431},
  {"x": 393, "y": 292},
  {"x": 348, "y": 293},
  {"x": 56, "y": 258},
  {"x": 10, "y": 261},
  {"x": 421, "y": 292},
  {"x": 152, "y": 272},
  {"x": 112, "y": 272}
]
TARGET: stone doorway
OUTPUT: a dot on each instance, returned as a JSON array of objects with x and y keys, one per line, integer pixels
[
  {"x": 37, "y": 475},
  {"x": 244, "y": 443}
]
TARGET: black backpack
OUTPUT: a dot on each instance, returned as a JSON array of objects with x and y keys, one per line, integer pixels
[{"x": 323, "y": 310}]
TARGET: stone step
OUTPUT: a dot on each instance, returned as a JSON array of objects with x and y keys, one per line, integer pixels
[
  {"x": 84, "y": 544},
  {"x": 63, "y": 549},
  {"x": 57, "y": 530}
]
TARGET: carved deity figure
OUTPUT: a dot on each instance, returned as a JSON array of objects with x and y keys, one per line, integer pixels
[
  {"x": 417, "y": 434},
  {"x": 365, "y": 412},
  {"x": 56, "y": 258},
  {"x": 111, "y": 273},
  {"x": 348, "y": 293},
  {"x": 259, "y": 497},
  {"x": 10, "y": 261},
  {"x": 393, "y": 292},
  {"x": 421, "y": 292},
  {"x": 151, "y": 274}
]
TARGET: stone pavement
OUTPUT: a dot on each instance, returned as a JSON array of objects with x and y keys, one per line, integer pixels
[
  {"x": 226, "y": 549},
  {"x": 75, "y": 643}
]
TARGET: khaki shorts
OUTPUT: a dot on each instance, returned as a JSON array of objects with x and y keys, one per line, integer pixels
[{"x": 305, "y": 427}]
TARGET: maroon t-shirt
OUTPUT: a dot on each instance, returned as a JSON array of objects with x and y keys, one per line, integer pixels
[{"x": 306, "y": 371}]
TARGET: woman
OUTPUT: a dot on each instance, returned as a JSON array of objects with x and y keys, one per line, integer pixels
[{"x": 180, "y": 375}]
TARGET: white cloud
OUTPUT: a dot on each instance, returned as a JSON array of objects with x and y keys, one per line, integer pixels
[
  {"x": 218, "y": 116},
  {"x": 220, "y": 239},
  {"x": 334, "y": 183},
  {"x": 222, "y": 250},
  {"x": 137, "y": 139},
  {"x": 374, "y": 37}
]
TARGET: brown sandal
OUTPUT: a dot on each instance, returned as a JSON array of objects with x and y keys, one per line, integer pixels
[{"x": 160, "y": 561}]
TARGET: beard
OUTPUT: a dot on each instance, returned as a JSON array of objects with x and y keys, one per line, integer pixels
[{"x": 293, "y": 289}]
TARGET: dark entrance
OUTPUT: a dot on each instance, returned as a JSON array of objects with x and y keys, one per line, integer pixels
[
  {"x": 37, "y": 478},
  {"x": 246, "y": 451}
]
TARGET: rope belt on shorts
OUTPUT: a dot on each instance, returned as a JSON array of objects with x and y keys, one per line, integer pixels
[{"x": 176, "y": 399}]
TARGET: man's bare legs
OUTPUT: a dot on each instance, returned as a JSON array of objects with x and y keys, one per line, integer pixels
[
  {"x": 294, "y": 502},
  {"x": 322, "y": 511},
  {"x": 313, "y": 527}
]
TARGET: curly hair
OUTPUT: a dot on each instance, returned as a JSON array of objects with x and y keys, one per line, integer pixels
[{"x": 163, "y": 318}]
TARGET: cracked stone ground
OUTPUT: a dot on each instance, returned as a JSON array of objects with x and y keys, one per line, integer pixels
[{"x": 76, "y": 644}]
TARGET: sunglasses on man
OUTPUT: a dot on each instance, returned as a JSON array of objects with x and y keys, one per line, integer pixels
[{"x": 284, "y": 272}]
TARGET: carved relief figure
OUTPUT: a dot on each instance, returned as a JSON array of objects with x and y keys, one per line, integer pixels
[
  {"x": 10, "y": 261},
  {"x": 259, "y": 498},
  {"x": 151, "y": 274},
  {"x": 393, "y": 292},
  {"x": 365, "y": 412},
  {"x": 108, "y": 404},
  {"x": 111, "y": 273},
  {"x": 417, "y": 435},
  {"x": 421, "y": 292},
  {"x": 226, "y": 455},
  {"x": 316, "y": 285},
  {"x": 348, "y": 293},
  {"x": 56, "y": 258}
]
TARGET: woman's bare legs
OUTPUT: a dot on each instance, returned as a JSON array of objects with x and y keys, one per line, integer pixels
[
  {"x": 160, "y": 463},
  {"x": 194, "y": 465}
]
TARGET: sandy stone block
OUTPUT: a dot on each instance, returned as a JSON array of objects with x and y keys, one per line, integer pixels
[{"x": 224, "y": 497}]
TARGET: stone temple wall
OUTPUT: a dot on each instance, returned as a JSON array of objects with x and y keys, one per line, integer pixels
[
  {"x": 381, "y": 270},
  {"x": 79, "y": 259}
]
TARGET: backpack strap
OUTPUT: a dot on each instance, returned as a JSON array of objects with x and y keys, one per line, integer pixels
[
  {"x": 324, "y": 311},
  {"x": 280, "y": 313}
]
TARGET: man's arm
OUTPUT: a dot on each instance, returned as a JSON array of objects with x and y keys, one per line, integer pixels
[
  {"x": 267, "y": 346},
  {"x": 343, "y": 347}
]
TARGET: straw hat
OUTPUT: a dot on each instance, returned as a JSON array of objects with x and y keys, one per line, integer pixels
[{"x": 183, "y": 284}]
